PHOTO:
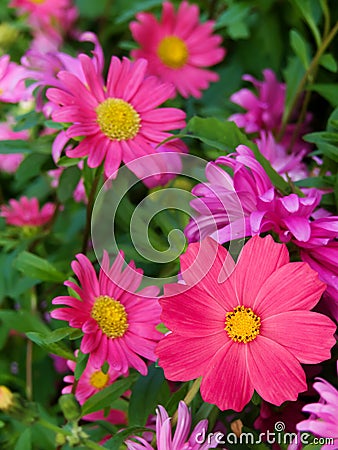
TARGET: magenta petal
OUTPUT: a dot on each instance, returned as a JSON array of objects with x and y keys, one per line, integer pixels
[
  {"x": 309, "y": 336},
  {"x": 275, "y": 373},
  {"x": 227, "y": 383}
]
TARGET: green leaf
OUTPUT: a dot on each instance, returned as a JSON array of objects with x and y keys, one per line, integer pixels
[
  {"x": 300, "y": 47},
  {"x": 108, "y": 395},
  {"x": 31, "y": 167},
  {"x": 328, "y": 62},
  {"x": 91, "y": 9},
  {"x": 293, "y": 74},
  {"x": 146, "y": 395},
  {"x": 81, "y": 363},
  {"x": 14, "y": 146},
  {"x": 226, "y": 136},
  {"x": 133, "y": 8},
  {"x": 38, "y": 268},
  {"x": 175, "y": 398},
  {"x": 64, "y": 161},
  {"x": 310, "y": 10},
  {"x": 67, "y": 183},
  {"x": 25, "y": 441},
  {"x": 59, "y": 349},
  {"x": 329, "y": 91},
  {"x": 54, "y": 125},
  {"x": 115, "y": 442},
  {"x": 22, "y": 321}
]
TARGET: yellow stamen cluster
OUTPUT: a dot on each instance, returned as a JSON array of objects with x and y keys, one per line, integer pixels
[
  {"x": 242, "y": 324},
  {"x": 110, "y": 316},
  {"x": 38, "y": 2},
  {"x": 98, "y": 379},
  {"x": 6, "y": 398},
  {"x": 117, "y": 119},
  {"x": 173, "y": 52}
]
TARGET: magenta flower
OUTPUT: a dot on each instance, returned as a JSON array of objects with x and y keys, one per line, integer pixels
[
  {"x": 10, "y": 162},
  {"x": 118, "y": 325},
  {"x": 179, "y": 47},
  {"x": 323, "y": 421},
  {"x": 25, "y": 212},
  {"x": 225, "y": 203},
  {"x": 12, "y": 85},
  {"x": 264, "y": 111},
  {"x": 243, "y": 327},
  {"x": 91, "y": 381},
  {"x": 120, "y": 122},
  {"x": 54, "y": 17},
  {"x": 181, "y": 439}
]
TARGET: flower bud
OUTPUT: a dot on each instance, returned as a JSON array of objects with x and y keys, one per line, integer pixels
[{"x": 70, "y": 407}]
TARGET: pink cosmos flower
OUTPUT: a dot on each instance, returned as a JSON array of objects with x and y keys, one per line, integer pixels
[
  {"x": 181, "y": 439},
  {"x": 323, "y": 421},
  {"x": 25, "y": 212},
  {"x": 179, "y": 47},
  {"x": 118, "y": 325},
  {"x": 120, "y": 122},
  {"x": 93, "y": 380},
  {"x": 243, "y": 327},
  {"x": 12, "y": 85},
  {"x": 54, "y": 17},
  {"x": 10, "y": 162}
]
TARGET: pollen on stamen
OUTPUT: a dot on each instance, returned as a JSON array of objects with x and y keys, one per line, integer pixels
[
  {"x": 110, "y": 316},
  {"x": 242, "y": 324}
]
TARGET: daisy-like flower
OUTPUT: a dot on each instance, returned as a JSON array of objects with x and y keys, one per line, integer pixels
[
  {"x": 25, "y": 212},
  {"x": 120, "y": 122},
  {"x": 244, "y": 327},
  {"x": 10, "y": 162},
  {"x": 93, "y": 380},
  {"x": 179, "y": 47},
  {"x": 323, "y": 421},
  {"x": 118, "y": 325},
  {"x": 12, "y": 85},
  {"x": 181, "y": 439}
]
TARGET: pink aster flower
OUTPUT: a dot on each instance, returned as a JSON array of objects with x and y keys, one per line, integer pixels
[
  {"x": 54, "y": 17},
  {"x": 25, "y": 212},
  {"x": 12, "y": 85},
  {"x": 181, "y": 439},
  {"x": 93, "y": 380},
  {"x": 323, "y": 421},
  {"x": 179, "y": 47},
  {"x": 118, "y": 325},
  {"x": 243, "y": 327},
  {"x": 119, "y": 122},
  {"x": 10, "y": 162}
]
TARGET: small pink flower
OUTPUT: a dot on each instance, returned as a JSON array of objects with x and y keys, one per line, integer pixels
[
  {"x": 243, "y": 327},
  {"x": 119, "y": 326},
  {"x": 54, "y": 17},
  {"x": 179, "y": 47},
  {"x": 25, "y": 212},
  {"x": 323, "y": 421},
  {"x": 12, "y": 85},
  {"x": 119, "y": 122},
  {"x": 93, "y": 380},
  {"x": 181, "y": 439},
  {"x": 10, "y": 162}
]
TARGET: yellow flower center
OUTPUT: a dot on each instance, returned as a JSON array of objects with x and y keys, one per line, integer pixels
[
  {"x": 117, "y": 119},
  {"x": 110, "y": 316},
  {"x": 38, "y": 2},
  {"x": 242, "y": 324},
  {"x": 173, "y": 52},
  {"x": 99, "y": 379},
  {"x": 6, "y": 398}
]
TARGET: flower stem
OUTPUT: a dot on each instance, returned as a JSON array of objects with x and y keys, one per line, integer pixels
[
  {"x": 308, "y": 76},
  {"x": 188, "y": 398}
]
